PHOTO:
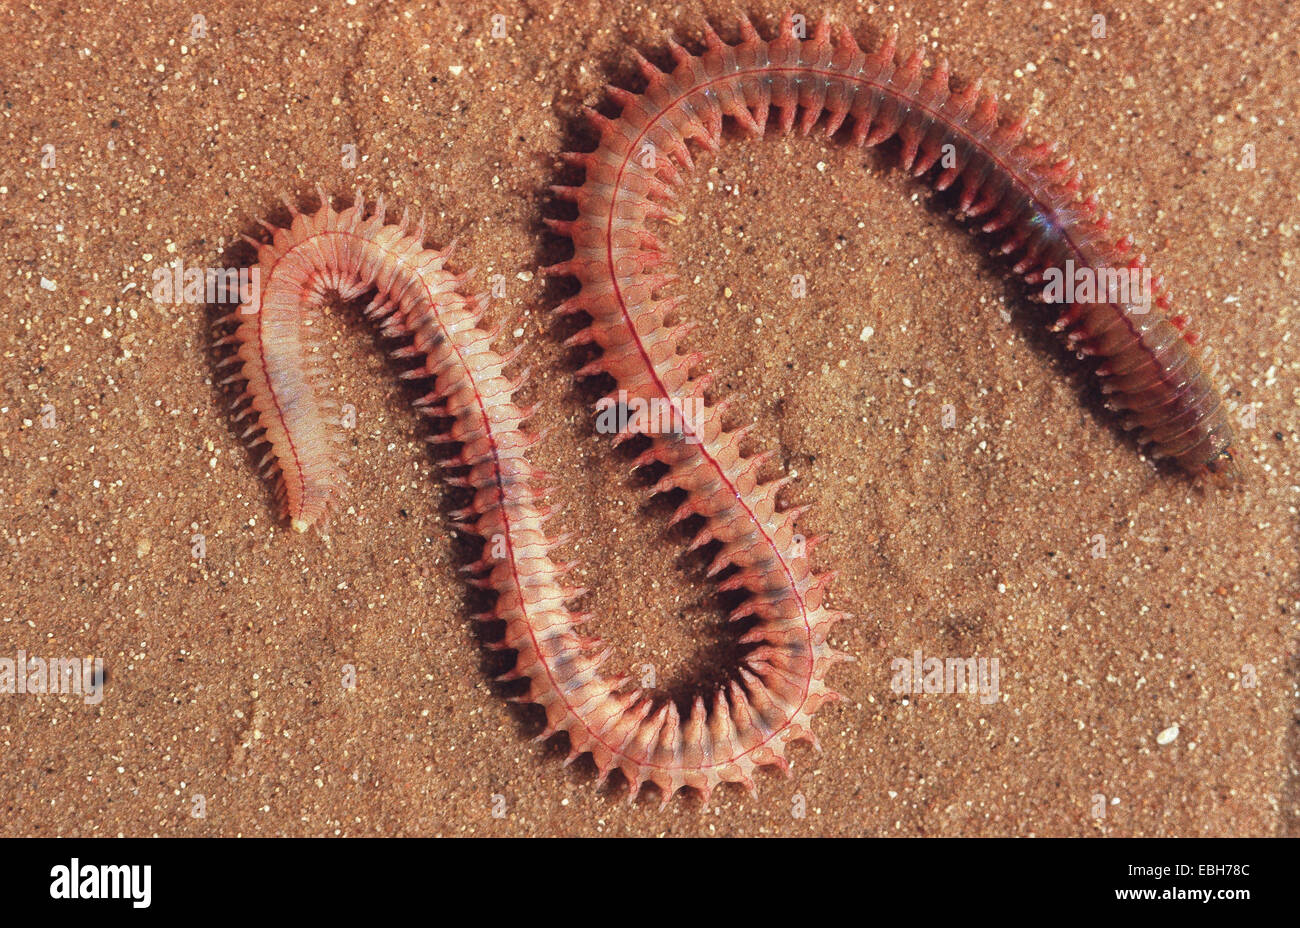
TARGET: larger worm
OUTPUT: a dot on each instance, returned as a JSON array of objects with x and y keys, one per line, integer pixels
[{"x": 1019, "y": 191}]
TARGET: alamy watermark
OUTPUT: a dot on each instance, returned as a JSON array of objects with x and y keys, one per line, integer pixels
[
  {"x": 921, "y": 674},
  {"x": 655, "y": 416},
  {"x": 75, "y": 676},
  {"x": 76, "y": 880},
  {"x": 1130, "y": 286},
  {"x": 177, "y": 283}
]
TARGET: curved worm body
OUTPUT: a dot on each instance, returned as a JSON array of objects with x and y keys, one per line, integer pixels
[
  {"x": 417, "y": 298},
  {"x": 1019, "y": 191}
]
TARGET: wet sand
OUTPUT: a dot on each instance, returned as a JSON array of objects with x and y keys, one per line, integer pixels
[{"x": 225, "y": 674}]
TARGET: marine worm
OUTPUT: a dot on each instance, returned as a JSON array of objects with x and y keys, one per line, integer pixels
[{"x": 1019, "y": 191}]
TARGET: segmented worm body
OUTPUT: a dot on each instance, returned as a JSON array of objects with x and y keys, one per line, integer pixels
[{"x": 1020, "y": 191}]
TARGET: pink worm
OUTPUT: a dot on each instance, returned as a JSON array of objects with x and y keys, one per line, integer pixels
[{"x": 1025, "y": 195}]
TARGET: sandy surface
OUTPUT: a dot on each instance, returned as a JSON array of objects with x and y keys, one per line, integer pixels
[{"x": 225, "y": 674}]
